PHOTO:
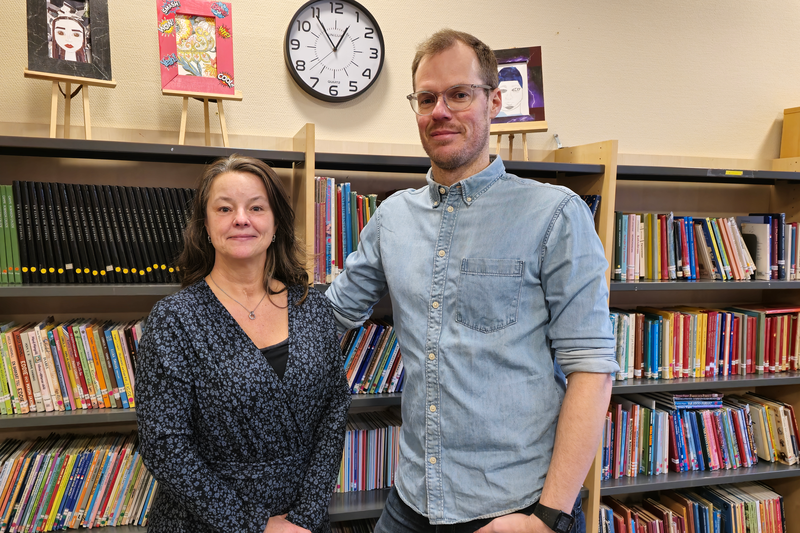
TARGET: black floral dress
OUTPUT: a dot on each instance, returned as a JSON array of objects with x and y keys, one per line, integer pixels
[{"x": 230, "y": 443}]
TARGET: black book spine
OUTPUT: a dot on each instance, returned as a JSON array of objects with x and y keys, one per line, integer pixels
[
  {"x": 180, "y": 218},
  {"x": 38, "y": 240},
  {"x": 130, "y": 207},
  {"x": 139, "y": 212},
  {"x": 94, "y": 261},
  {"x": 100, "y": 249},
  {"x": 171, "y": 230},
  {"x": 105, "y": 231},
  {"x": 57, "y": 238},
  {"x": 151, "y": 231},
  {"x": 157, "y": 225},
  {"x": 72, "y": 213},
  {"x": 65, "y": 222},
  {"x": 129, "y": 233},
  {"x": 123, "y": 246},
  {"x": 128, "y": 329},
  {"x": 47, "y": 236},
  {"x": 22, "y": 228},
  {"x": 67, "y": 240}
]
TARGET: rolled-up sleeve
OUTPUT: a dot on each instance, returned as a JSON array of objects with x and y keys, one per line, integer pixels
[{"x": 573, "y": 269}]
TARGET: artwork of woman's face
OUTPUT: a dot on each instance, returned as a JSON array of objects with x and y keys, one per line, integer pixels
[
  {"x": 512, "y": 94},
  {"x": 69, "y": 35}
]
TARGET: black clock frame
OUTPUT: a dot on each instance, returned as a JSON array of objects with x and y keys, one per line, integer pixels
[{"x": 307, "y": 88}]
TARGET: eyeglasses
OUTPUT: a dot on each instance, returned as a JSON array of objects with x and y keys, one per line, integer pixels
[{"x": 456, "y": 98}]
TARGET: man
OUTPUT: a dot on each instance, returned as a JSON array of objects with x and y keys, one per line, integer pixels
[{"x": 492, "y": 278}]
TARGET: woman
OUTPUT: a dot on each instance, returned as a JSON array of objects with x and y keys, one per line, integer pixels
[
  {"x": 236, "y": 444},
  {"x": 69, "y": 38}
]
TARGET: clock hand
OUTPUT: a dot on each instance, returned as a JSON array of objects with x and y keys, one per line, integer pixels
[
  {"x": 340, "y": 38},
  {"x": 326, "y": 33}
]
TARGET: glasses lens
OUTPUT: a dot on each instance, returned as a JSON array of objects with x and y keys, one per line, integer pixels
[
  {"x": 423, "y": 102},
  {"x": 458, "y": 97}
]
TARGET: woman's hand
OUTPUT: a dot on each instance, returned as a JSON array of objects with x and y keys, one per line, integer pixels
[{"x": 279, "y": 524}]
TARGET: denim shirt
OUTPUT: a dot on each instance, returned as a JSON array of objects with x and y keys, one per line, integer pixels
[{"x": 498, "y": 290}]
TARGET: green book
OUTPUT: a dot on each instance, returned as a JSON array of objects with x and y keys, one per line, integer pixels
[
  {"x": 373, "y": 204},
  {"x": 4, "y": 253},
  {"x": 11, "y": 222}
]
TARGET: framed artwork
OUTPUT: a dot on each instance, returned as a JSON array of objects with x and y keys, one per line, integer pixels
[
  {"x": 520, "y": 74},
  {"x": 195, "y": 42},
  {"x": 69, "y": 37}
]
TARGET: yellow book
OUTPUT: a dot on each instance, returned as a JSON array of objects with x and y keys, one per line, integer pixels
[
  {"x": 77, "y": 392},
  {"x": 99, "y": 363},
  {"x": 123, "y": 367},
  {"x": 60, "y": 493},
  {"x": 717, "y": 252}
]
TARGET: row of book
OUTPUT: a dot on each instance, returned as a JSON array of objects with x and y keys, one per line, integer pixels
[
  {"x": 67, "y": 233},
  {"x": 77, "y": 364},
  {"x": 339, "y": 216},
  {"x": 372, "y": 359},
  {"x": 696, "y": 342},
  {"x": 371, "y": 451},
  {"x": 67, "y": 481},
  {"x": 658, "y": 246},
  {"x": 355, "y": 526},
  {"x": 736, "y": 508},
  {"x": 653, "y": 433}
]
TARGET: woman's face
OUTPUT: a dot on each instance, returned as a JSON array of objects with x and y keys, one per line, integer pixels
[
  {"x": 68, "y": 34},
  {"x": 512, "y": 94},
  {"x": 239, "y": 219}
]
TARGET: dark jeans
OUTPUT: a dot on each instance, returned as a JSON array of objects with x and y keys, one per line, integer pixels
[{"x": 397, "y": 517}]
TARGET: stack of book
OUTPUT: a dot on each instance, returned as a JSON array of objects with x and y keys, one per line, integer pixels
[
  {"x": 66, "y": 233},
  {"x": 737, "y": 508},
  {"x": 656, "y": 246},
  {"x": 696, "y": 342},
  {"x": 62, "y": 482},
  {"x": 651, "y": 434},
  {"x": 339, "y": 216},
  {"x": 372, "y": 359},
  {"x": 371, "y": 451},
  {"x": 78, "y": 364}
]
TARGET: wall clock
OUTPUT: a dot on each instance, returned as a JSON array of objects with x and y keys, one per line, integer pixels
[{"x": 334, "y": 50}]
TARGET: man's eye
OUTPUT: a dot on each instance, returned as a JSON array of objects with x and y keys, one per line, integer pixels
[
  {"x": 460, "y": 95},
  {"x": 426, "y": 99}
]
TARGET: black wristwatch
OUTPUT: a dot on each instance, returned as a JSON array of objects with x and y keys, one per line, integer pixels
[{"x": 555, "y": 519}]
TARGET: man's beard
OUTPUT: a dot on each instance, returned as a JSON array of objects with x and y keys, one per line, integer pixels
[{"x": 467, "y": 153}]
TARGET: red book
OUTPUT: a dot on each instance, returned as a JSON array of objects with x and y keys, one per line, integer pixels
[
  {"x": 735, "y": 353},
  {"x": 752, "y": 324},
  {"x": 615, "y": 462},
  {"x": 674, "y": 458},
  {"x": 638, "y": 359},
  {"x": 662, "y": 225},
  {"x": 687, "y": 333},
  {"x": 687, "y": 269},
  {"x": 23, "y": 366},
  {"x": 769, "y": 347},
  {"x": 76, "y": 364},
  {"x": 794, "y": 345},
  {"x": 360, "y": 211}
]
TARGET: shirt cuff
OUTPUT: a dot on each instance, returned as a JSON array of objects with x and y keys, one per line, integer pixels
[{"x": 592, "y": 360}]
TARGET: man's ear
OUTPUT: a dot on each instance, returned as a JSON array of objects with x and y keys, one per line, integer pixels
[{"x": 495, "y": 102}]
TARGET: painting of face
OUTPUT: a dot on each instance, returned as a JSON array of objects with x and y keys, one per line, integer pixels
[
  {"x": 513, "y": 90},
  {"x": 68, "y": 35},
  {"x": 68, "y": 23}
]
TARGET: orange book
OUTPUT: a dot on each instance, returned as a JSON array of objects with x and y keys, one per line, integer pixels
[
  {"x": 733, "y": 256},
  {"x": 104, "y": 388},
  {"x": 17, "y": 371}
]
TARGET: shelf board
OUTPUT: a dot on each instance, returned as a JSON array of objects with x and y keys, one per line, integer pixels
[
  {"x": 420, "y": 165},
  {"x": 701, "y": 285},
  {"x": 67, "y": 418},
  {"x": 92, "y": 289},
  {"x": 129, "y": 151},
  {"x": 630, "y": 386},
  {"x": 118, "y": 529},
  {"x": 704, "y": 175},
  {"x": 376, "y": 400},
  {"x": 763, "y": 471}
]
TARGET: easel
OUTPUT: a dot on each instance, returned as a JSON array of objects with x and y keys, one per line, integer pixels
[
  {"x": 511, "y": 129},
  {"x": 69, "y": 81},
  {"x": 237, "y": 96}
]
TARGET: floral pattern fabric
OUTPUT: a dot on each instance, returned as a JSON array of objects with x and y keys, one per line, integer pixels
[
  {"x": 197, "y": 45},
  {"x": 230, "y": 443}
]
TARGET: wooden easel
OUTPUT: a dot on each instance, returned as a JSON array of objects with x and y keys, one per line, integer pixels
[
  {"x": 511, "y": 129},
  {"x": 237, "y": 96},
  {"x": 69, "y": 81}
]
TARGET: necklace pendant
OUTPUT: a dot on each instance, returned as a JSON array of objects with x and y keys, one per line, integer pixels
[{"x": 252, "y": 315}]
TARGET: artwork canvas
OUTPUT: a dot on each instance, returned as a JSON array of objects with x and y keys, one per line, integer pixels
[
  {"x": 69, "y": 37},
  {"x": 520, "y": 76},
  {"x": 195, "y": 39}
]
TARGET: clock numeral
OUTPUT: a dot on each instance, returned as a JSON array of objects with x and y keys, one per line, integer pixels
[
  {"x": 353, "y": 87},
  {"x": 300, "y": 65},
  {"x": 304, "y": 26},
  {"x": 338, "y": 9},
  {"x": 314, "y": 12},
  {"x": 316, "y": 81},
  {"x": 373, "y": 53},
  {"x": 368, "y": 33},
  {"x": 358, "y": 16},
  {"x": 333, "y": 90},
  {"x": 367, "y": 73},
  {"x": 295, "y": 44}
]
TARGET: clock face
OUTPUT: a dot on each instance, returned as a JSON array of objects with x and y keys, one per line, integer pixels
[{"x": 334, "y": 50}]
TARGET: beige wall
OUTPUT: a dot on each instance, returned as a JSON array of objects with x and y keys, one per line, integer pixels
[{"x": 684, "y": 77}]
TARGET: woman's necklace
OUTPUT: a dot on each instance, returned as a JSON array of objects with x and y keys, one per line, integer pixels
[{"x": 252, "y": 314}]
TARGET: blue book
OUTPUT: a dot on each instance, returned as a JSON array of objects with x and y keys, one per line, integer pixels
[
  {"x": 112, "y": 352},
  {"x": 365, "y": 361},
  {"x": 713, "y": 245},
  {"x": 624, "y": 261},
  {"x": 146, "y": 501},
  {"x": 689, "y": 222},
  {"x": 347, "y": 221},
  {"x": 76, "y": 482},
  {"x": 698, "y": 445},
  {"x": 648, "y": 324},
  {"x": 59, "y": 375},
  {"x": 354, "y": 345}
]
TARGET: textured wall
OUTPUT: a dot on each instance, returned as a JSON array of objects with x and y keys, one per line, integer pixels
[{"x": 682, "y": 77}]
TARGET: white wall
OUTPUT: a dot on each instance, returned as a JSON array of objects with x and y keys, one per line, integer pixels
[{"x": 681, "y": 77}]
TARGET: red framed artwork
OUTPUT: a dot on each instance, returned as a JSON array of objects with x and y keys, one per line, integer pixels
[{"x": 195, "y": 42}]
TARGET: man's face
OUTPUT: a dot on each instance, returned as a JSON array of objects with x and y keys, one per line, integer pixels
[{"x": 455, "y": 139}]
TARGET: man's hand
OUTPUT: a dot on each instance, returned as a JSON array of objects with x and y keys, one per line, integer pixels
[
  {"x": 515, "y": 523},
  {"x": 279, "y": 524}
]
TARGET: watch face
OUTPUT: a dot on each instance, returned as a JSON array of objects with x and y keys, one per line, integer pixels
[
  {"x": 334, "y": 50},
  {"x": 564, "y": 523}
]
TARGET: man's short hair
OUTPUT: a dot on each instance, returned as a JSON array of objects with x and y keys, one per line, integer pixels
[{"x": 444, "y": 40}]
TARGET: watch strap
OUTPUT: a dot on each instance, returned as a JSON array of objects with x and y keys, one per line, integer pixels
[{"x": 555, "y": 519}]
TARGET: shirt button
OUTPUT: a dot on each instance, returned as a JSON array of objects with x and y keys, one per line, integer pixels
[
  {"x": 441, "y": 190},
  {"x": 432, "y": 460},
  {"x": 469, "y": 198},
  {"x": 431, "y": 356},
  {"x": 433, "y": 408},
  {"x": 450, "y": 209},
  {"x": 435, "y": 204},
  {"x": 435, "y": 305},
  {"x": 441, "y": 253}
]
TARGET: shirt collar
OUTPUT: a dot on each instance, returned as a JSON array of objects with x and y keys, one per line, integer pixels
[{"x": 471, "y": 188}]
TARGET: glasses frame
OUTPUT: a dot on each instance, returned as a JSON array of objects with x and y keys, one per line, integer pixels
[{"x": 472, "y": 86}]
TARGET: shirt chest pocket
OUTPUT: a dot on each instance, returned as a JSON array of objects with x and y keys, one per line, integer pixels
[{"x": 488, "y": 293}]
